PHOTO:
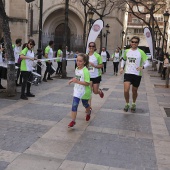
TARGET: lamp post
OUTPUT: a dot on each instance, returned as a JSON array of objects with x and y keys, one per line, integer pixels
[
  {"x": 106, "y": 34},
  {"x": 123, "y": 33},
  {"x": 166, "y": 18},
  {"x": 64, "y": 74},
  {"x": 127, "y": 40},
  {"x": 159, "y": 40},
  {"x": 156, "y": 35},
  {"x": 90, "y": 15}
]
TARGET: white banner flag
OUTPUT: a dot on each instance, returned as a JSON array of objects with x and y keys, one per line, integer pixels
[
  {"x": 148, "y": 37},
  {"x": 94, "y": 32}
]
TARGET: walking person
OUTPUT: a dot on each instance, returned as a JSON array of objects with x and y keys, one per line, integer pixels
[
  {"x": 136, "y": 61},
  {"x": 95, "y": 65},
  {"x": 1, "y": 61},
  {"x": 59, "y": 55},
  {"x": 105, "y": 56},
  {"x": 48, "y": 55},
  {"x": 82, "y": 90},
  {"x": 27, "y": 56},
  {"x": 17, "y": 49},
  {"x": 116, "y": 59},
  {"x": 165, "y": 65}
]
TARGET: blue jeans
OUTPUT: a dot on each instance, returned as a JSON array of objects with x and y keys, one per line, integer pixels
[{"x": 76, "y": 103}]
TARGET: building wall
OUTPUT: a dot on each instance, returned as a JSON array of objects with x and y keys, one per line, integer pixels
[{"x": 53, "y": 15}]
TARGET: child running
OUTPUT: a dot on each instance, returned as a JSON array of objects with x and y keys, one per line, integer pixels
[{"x": 81, "y": 88}]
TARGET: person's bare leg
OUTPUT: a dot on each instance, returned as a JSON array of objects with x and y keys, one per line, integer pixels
[
  {"x": 73, "y": 115},
  {"x": 126, "y": 91},
  {"x": 134, "y": 93}
]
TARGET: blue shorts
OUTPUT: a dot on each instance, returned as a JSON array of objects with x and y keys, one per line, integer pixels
[{"x": 76, "y": 103}]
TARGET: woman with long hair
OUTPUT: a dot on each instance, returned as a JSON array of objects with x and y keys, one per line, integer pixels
[
  {"x": 27, "y": 56},
  {"x": 95, "y": 65}
]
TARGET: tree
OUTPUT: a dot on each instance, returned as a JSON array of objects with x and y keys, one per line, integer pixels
[
  {"x": 101, "y": 8},
  {"x": 11, "y": 77},
  {"x": 84, "y": 3},
  {"x": 151, "y": 7}
]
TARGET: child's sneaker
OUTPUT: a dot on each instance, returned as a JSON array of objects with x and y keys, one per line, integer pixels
[
  {"x": 88, "y": 116},
  {"x": 71, "y": 124},
  {"x": 133, "y": 108},
  {"x": 126, "y": 108}
]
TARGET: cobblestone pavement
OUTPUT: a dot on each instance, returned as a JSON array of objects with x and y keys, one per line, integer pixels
[{"x": 34, "y": 133}]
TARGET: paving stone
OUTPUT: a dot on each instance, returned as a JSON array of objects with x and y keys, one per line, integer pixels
[
  {"x": 41, "y": 112},
  {"x": 6, "y": 103},
  {"x": 114, "y": 151},
  {"x": 142, "y": 107},
  {"x": 167, "y": 122},
  {"x": 132, "y": 122},
  {"x": 17, "y": 136},
  {"x": 3, "y": 165},
  {"x": 58, "y": 98},
  {"x": 32, "y": 162}
]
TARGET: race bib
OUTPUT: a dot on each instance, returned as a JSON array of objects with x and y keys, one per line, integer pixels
[{"x": 91, "y": 69}]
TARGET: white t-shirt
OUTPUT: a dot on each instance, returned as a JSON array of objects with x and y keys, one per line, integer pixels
[
  {"x": 17, "y": 51},
  {"x": 81, "y": 91},
  {"x": 134, "y": 59},
  {"x": 116, "y": 57},
  {"x": 104, "y": 56},
  {"x": 1, "y": 60},
  {"x": 93, "y": 71}
]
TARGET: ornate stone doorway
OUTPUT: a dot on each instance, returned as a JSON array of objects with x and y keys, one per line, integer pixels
[{"x": 59, "y": 36}]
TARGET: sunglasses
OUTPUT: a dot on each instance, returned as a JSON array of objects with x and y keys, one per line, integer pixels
[
  {"x": 136, "y": 42},
  {"x": 91, "y": 46}
]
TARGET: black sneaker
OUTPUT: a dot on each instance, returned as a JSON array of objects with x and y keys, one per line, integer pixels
[
  {"x": 24, "y": 97},
  {"x": 30, "y": 95},
  {"x": 45, "y": 80},
  {"x": 49, "y": 78},
  {"x": 1, "y": 87}
]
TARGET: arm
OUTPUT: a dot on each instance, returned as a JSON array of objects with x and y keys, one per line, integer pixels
[
  {"x": 22, "y": 56},
  {"x": 74, "y": 80}
]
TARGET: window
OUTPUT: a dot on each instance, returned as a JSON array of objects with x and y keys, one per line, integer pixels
[
  {"x": 136, "y": 20},
  {"x": 138, "y": 31},
  {"x": 138, "y": 8}
]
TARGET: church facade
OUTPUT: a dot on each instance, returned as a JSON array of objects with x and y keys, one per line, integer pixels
[{"x": 24, "y": 23}]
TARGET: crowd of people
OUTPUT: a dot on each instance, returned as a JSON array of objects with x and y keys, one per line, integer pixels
[{"x": 88, "y": 71}]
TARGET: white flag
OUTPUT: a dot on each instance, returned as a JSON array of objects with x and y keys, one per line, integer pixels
[
  {"x": 148, "y": 37},
  {"x": 94, "y": 32}
]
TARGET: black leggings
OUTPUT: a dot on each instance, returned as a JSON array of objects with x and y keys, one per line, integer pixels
[
  {"x": 27, "y": 78},
  {"x": 115, "y": 66},
  {"x": 104, "y": 66},
  {"x": 59, "y": 68},
  {"x": 48, "y": 68}
]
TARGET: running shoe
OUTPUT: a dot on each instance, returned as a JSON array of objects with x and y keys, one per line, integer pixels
[
  {"x": 71, "y": 124},
  {"x": 88, "y": 116},
  {"x": 133, "y": 108},
  {"x": 126, "y": 108},
  {"x": 101, "y": 94}
]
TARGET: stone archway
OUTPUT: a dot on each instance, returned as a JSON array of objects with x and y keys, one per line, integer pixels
[{"x": 59, "y": 36}]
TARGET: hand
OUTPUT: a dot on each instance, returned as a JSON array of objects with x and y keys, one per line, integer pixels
[
  {"x": 91, "y": 64},
  {"x": 121, "y": 70},
  {"x": 139, "y": 68},
  {"x": 70, "y": 81},
  {"x": 31, "y": 59}
]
